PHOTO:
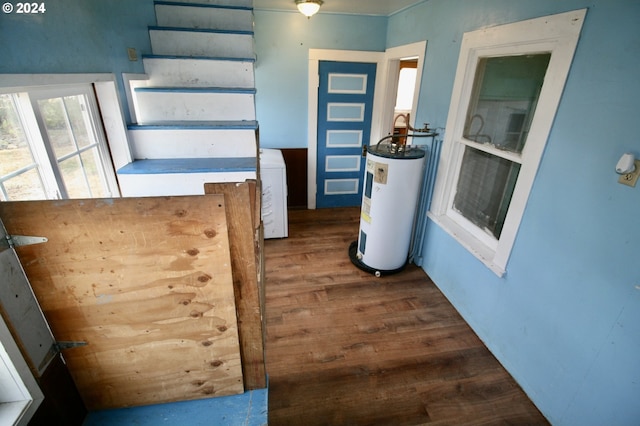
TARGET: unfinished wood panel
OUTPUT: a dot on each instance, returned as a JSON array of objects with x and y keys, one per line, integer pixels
[
  {"x": 240, "y": 201},
  {"x": 146, "y": 283}
]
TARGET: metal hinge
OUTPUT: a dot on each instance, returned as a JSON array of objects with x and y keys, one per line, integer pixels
[
  {"x": 55, "y": 349},
  {"x": 12, "y": 241},
  {"x": 61, "y": 346}
]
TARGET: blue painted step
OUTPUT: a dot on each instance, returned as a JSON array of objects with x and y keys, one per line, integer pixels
[
  {"x": 190, "y": 165},
  {"x": 206, "y": 58},
  {"x": 201, "y": 30},
  {"x": 247, "y": 409},
  {"x": 210, "y": 125},
  {"x": 238, "y": 90}
]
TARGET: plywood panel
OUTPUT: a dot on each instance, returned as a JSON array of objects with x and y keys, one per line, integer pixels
[
  {"x": 147, "y": 284},
  {"x": 240, "y": 201}
]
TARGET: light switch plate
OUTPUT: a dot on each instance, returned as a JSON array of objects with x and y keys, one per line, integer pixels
[
  {"x": 133, "y": 55},
  {"x": 630, "y": 179}
]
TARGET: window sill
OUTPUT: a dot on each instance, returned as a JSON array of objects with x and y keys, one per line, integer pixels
[{"x": 469, "y": 242}]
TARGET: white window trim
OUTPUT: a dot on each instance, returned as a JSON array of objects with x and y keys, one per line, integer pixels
[
  {"x": 107, "y": 96},
  {"x": 20, "y": 395},
  {"x": 557, "y": 34}
]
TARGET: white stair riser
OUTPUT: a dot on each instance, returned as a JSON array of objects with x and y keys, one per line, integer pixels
[
  {"x": 241, "y": 3},
  {"x": 204, "y": 17},
  {"x": 178, "y": 72},
  {"x": 155, "y": 107},
  {"x": 150, "y": 185},
  {"x": 193, "y": 43},
  {"x": 192, "y": 143}
]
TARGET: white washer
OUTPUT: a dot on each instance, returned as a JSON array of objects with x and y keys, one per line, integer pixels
[{"x": 273, "y": 175}]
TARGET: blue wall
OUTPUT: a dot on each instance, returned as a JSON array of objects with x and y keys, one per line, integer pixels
[
  {"x": 283, "y": 40},
  {"x": 77, "y": 36},
  {"x": 565, "y": 320}
]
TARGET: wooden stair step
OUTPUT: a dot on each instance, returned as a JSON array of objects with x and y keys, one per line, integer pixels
[
  {"x": 182, "y": 176},
  {"x": 190, "y": 165},
  {"x": 194, "y": 139},
  {"x": 189, "y": 71},
  {"x": 207, "y": 16},
  {"x": 201, "y": 42},
  {"x": 159, "y": 104}
]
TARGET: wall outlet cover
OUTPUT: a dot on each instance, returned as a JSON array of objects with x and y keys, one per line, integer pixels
[{"x": 630, "y": 179}]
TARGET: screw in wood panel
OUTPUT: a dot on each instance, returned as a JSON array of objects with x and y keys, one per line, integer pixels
[
  {"x": 133, "y": 55},
  {"x": 630, "y": 179}
]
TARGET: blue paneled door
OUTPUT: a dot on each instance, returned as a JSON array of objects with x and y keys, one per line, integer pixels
[{"x": 345, "y": 102}]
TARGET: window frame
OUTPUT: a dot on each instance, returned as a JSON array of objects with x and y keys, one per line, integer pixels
[
  {"x": 26, "y": 101},
  {"x": 556, "y": 34}
]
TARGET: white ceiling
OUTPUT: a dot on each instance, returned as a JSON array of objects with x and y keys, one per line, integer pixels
[{"x": 358, "y": 7}]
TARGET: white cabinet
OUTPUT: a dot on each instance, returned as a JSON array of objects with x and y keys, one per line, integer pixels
[{"x": 273, "y": 174}]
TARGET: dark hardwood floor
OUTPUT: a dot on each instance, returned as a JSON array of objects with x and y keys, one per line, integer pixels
[{"x": 346, "y": 348}]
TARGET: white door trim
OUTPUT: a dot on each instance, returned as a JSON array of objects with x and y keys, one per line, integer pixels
[{"x": 383, "y": 98}]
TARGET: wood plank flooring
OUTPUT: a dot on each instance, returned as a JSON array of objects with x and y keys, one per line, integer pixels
[{"x": 346, "y": 348}]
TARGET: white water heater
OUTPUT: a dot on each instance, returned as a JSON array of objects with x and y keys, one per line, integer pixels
[{"x": 391, "y": 189}]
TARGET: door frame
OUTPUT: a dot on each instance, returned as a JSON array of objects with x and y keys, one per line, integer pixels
[{"x": 383, "y": 99}]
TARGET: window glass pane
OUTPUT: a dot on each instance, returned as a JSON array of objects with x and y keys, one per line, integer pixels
[
  {"x": 15, "y": 152},
  {"x": 25, "y": 186},
  {"x": 347, "y": 83},
  {"x": 345, "y": 112},
  {"x": 94, "y": 172},
  {"x": 76, "y": 111},
  {"x": 340, "y": 186},
  {"x": 504, "y": 98},
  {"x": 485, "y": 188},
  {"x": 74, "y": 179},
  {"x": 58, "y": 129},
  {"x": 16, "y": 157}
]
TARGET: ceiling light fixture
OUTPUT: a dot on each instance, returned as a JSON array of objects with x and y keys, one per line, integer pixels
[{"x": 309, "y": 7}]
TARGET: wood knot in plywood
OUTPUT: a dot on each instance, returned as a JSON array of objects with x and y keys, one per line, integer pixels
[
  {"x": 216, "y": 363},
  {"x": 210, "y": 233},
  {"x": 206, "y": 343},
  {"x": 208, "y": 390},
  {"x": 222, "y": 328},
  {"x": 193, "y": 252},
  {"x": 181, "y": 213},
  {"x": 204, "y": 278}
]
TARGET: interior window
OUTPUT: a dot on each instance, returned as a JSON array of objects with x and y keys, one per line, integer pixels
[{"x": 52, "y": 146}]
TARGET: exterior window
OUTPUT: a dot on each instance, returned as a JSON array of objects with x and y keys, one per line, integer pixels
[
  {"x": 52, "y": 146},
  {"x": 497, "y": 123},
  {"x": 508, "y": 85}
]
